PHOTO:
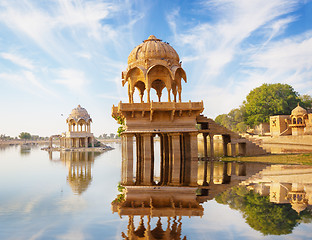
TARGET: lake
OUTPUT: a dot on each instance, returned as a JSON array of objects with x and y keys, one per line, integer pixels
[{"x": 69, "y": 196}]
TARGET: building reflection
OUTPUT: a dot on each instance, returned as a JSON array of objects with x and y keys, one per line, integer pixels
[
  {"x": 79, "y": 166},
  {"x": 284, "y": 184},
  {"x": 215, "y": 177},
  {"x": 156, "y": 212},
  {"x": 158, "y": 206}
]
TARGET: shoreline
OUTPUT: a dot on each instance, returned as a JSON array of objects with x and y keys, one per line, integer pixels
[
  {"x": 292, "y": 159},
  {"x": 35, "y": 142},
  {"x": 23, "y": 142}
]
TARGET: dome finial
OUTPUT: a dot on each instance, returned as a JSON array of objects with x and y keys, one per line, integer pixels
[{"x": 151, "y": 38}]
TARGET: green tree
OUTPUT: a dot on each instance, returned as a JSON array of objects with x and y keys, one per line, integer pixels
[
  {"x": 234, "y": 120},
  {"x": 224, "y": 120},
  {"x": 122, "y": 126},
  {"x": 267, "y": 100},
  {"x": 306, "y": 101},
  {"x": 25, "y": 135}
]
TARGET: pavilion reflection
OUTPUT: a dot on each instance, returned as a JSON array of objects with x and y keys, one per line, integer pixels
[
  {"x": 79, "y": 164},
  {"x": 160, "y": 203},
  {"x": 156, "y": 212},
  {"x": 284, "y": 184}
]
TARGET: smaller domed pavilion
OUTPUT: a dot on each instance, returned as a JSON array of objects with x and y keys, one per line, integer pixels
[
  {"x": 298, "y": 118},
  {"x": 79, "y": 130}
]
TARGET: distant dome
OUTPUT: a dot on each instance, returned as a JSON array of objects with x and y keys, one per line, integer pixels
[
  {"x": 79, "y": 113},
  {"x": 153, "y": 48},
  {"x": 299, "y": 111}
]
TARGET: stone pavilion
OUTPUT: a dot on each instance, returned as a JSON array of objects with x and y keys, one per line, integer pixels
[
  {"x": 154, "y": 66},
  {"x": 79, "y": 130}
]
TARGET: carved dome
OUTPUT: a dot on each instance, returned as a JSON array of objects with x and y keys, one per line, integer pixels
[
  {"x": 154, "y": 64},
  {"x": 153, "y": 48},
  {"x": 79, "y": 113},
  {"x": 299, "y": 111}
]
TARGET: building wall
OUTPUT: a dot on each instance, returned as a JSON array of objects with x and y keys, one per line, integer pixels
[
  {"x": 278, "y": 124},
  {"x": 308, "y": 122}
]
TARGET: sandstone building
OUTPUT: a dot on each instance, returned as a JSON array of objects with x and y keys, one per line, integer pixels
[{"x": 297, "y": 124}]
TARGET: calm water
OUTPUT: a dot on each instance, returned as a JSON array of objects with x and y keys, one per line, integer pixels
[{"x": 69, "y": 197}]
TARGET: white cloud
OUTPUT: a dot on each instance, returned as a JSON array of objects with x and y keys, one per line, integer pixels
[
  {"x": 26, "y": 81},
  {"x": 238, "y": 50},
  {"x": 61, "y": 25},
  {"x": 18, "y": 60},
  {"x": 85, "y": 55},
  {"x": 288, "y": 61},
  {"x": 73, "y": 79},
  {"x": 218, "y": 43}
]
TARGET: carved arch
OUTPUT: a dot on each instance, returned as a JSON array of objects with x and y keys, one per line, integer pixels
[
  {"x": 159, "y": 72},
  {"x": 140, "y": 85},
  {"x": 138, "y": 70}
]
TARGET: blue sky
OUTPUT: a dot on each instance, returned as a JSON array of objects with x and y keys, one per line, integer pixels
[{"x": 55, "y": 55}]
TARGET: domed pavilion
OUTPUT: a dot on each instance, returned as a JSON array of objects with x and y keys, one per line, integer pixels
[
  {"x": 154, "y": 64},
  {"x": 154, "y": 69},
  {"x": 79, "y": 130},
  {"x": 298, "y": 120}
]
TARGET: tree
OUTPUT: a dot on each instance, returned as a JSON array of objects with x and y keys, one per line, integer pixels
[
  {"x": 268, "y": 100},
  {"x": 25, "y": 135},
  {"x": 306, "y": 101},
  {"x": 224, "y": 120},
  {"x": 234, "y": 120}
]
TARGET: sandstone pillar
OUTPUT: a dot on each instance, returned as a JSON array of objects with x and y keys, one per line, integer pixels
[
  {"x": 147, "y": 159},
  {"x": 176, "y": 159},
  {"x": 127, "y": 161},
  {"x": 211, "y": 146},
  {"x": 193, "y": 159},
  {"x": 205, "y": 146},
  {"x": 139, "y": 164},
  {"x": 226, "y": 139},
  {"x": 164, "y": 169},
  {"x": 233, "y": 149}
]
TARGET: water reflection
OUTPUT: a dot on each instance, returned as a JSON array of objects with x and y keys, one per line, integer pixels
[
  {"x": 275, "y": 200},
  {"x": 152, "y": 203},
  {"x": 284, "y": 184},
  {"x": 79, "y": 166},
  {"x": 25, "y": 149},
  {"x": 171, "y": 203}
]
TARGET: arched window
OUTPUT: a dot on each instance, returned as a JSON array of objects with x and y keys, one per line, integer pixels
[
  {"x": 294, "y": 121},
  {"x": 299, "y": 120},
  {"x": 141, "y": 87},
  {"x": 158, "y": 85}
]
